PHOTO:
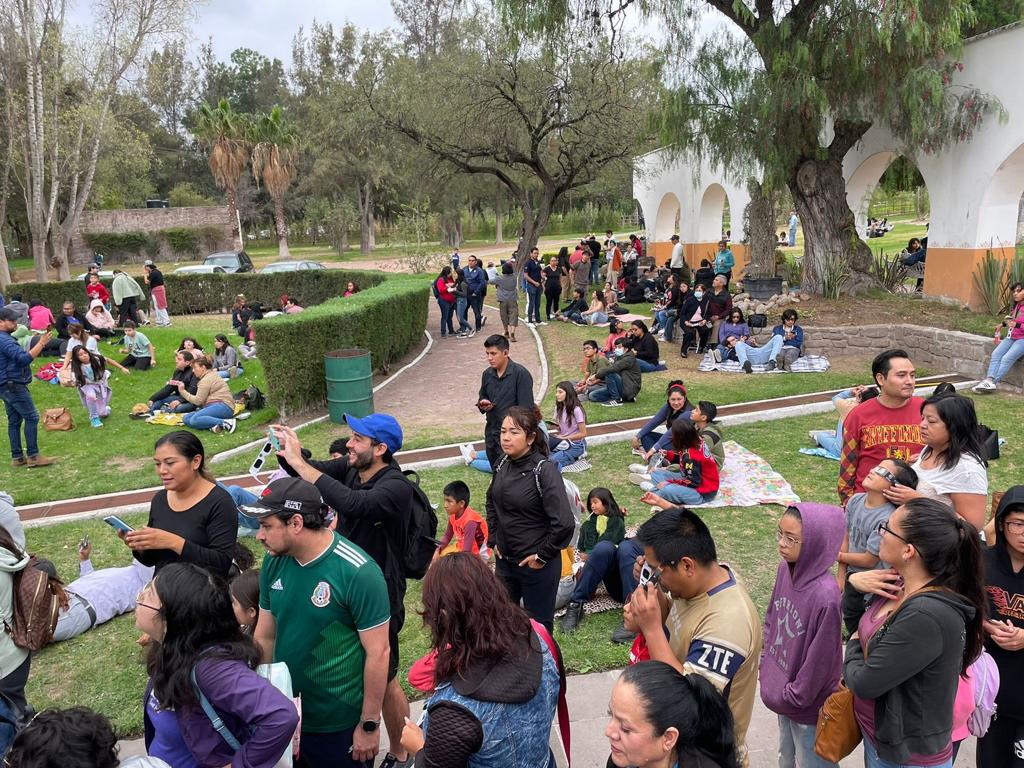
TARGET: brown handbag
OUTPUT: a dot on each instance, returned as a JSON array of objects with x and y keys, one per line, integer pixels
[{"x": 58, "y": 420}]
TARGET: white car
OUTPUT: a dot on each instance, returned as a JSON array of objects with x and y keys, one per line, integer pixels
[
  {"x": 201, "y": 269},
  {"x": 291, "y": 266},
  {"x": 103, "y": 273}
]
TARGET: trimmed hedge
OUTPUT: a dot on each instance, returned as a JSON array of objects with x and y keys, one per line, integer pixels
[
  {"x": 387, "y": 319},
  {"x": 192, "y": 294}
]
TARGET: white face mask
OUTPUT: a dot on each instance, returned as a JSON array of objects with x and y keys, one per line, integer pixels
[
  {"x": 698, "y": 295},
  {"x": 619, "y": 351}
]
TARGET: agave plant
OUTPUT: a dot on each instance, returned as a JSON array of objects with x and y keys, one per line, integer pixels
[
  {"x": 273, "y": 162},
  {"x": 990, "y": 280},
  {"x": 889, "y": 271},
  {"x": 835, "y": 273}
]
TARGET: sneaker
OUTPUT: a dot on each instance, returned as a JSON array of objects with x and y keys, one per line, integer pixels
[
  {"x": 638, "y": 469},
  {"x": 573, "y": 617},
  {"x": 623, "y": 636},
  {"x": 470, "y": 333},
  {"x": 639, "y": 478},
  {"x": 41, "y": 461},
  {"x": 717, "y": 354},
  {"x": 637, "y": 452},
  {"x": 985, "y": 385},
  {"x": 542, "y": 323},
  {"x": 663, "y": 363},
  {"x": 225, "y": 427},
  {"x": 747, "y": 367},
  {"x": 646, "y": 486},
  {"x": 466, "y": 449},
  {"x": 782, "y": 363},
  {"x": 244, "y": 415},
  {"x": 390, "y": 761},
  {"x": 460, "y": 335},
  {"x": 771, "y": 365},
  {"x": 483, "y": 321},
  {"x": 612, "y": 403},
  {"x": 95, "y": 422},
  {"x": 21, "y": 461}
]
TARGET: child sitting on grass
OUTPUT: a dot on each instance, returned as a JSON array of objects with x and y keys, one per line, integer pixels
[
  {"x": 697, "y": 480},
  {"x": 864, "y": 511},
  {"x": 466, "y": 531}
]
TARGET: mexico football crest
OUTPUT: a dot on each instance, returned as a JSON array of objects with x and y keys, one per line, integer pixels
[{"x": 321, "y": 596}]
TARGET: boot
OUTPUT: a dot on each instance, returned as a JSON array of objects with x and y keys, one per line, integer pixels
[
  {"x": 40, "y": 461},
  {"x": 622, "y": 636},
  {"x": 573, "y": 617}
]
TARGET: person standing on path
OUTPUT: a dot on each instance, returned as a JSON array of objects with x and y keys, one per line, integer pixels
[
  {"x": 15, "y": 376},
  {"x": 157, "y": 294},
  {"x": 372, "y": 499},
  {"x": 533, "y": 275},
  {"x": 504, "y": 384},
  {"x": 508, "y": 300},
  {"x": 676, "y": 262},
  {"x": 552, "y": 288},
  {"x": 793, "y": 221},
  {"x": 476, "y": 279},
  {"x": 324, "y": 611},
  {"x": 885, "y": 427}
]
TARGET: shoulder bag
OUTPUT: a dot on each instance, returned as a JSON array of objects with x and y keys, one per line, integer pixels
[{"x": 58, "y": 420}]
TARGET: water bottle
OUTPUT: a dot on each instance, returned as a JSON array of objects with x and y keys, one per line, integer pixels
[
  {"x": 999, "y": 335},
  {"x": 656, "y": 460}
]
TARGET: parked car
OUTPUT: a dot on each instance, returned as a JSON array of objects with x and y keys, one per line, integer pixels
[
  {"x": 200, "y": 269},
  {"x": 291, "y": 266},
  {"x": 232, "y": 261},
  {"x": 105, "y": 274}
]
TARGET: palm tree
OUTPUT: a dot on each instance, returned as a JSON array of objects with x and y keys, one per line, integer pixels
[
  {"x": 224, "y": 133},
  {"x": 273, "y": 161}
]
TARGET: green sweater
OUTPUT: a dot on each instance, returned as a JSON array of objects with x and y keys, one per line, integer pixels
[
  {"x": 615, "y": 532},
  {"x": 712, "y": 435}
]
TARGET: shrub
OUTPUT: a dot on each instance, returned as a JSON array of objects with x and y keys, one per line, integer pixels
[
  {"x": 182, "y": 240},
  {"x": 989, "y": 279},
  {"x": 121, "y": 244},
  {"x": 889, "y": 271},
  {"x": 387, "y": 319}
]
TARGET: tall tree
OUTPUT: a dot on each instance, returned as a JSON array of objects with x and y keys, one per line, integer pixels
[
  {"x": 542, "y": 118},
  {"x": 225, "y": 134},
  {"x": 273, "y": 142},
  {"x": 169, "y": 84},
  {"x": 788, "y": 87}
]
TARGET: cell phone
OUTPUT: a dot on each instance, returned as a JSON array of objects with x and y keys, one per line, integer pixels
[
  {"x": 273, "y": 440},
  {"x": 646, "y": 574},
  {"x": 83, "y": 543},
  {"x": 117, "y": 524}
]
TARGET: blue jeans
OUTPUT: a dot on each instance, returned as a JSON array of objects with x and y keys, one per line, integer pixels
[
  {"x": 20, "y": 410},
  {"x": 566, "y": 456},
  {"x": 759, "y": 355},
  {"x": 831, "y": 443},
  {"x": 476, "y": 303},
  {"x": 649, "y": 440},
  {"x": 461, "y": 309},
  {"x": 646, "y": 367},
  {"x": 596, "y": 318},
  {"x": 447, "y": 308},
  {"x": 612, "y": 389},
  {"x": 611, "y": 564},
  {"x": 670, "y": 323},
  {"x": 796, "y": 746},
  {"x": 676, "y": 493},
  {"x": 532, "y": 303},
  {"x": 725, "y": 352},
  {"x": 872, "y": 760},
  {"x": 209, "y": 416},
  {"x": 242, "y": 496},
  {"x": 792, "y": 236},
  {"x": 227, "y": 374},
  {"x": 1004, "y": 356},
  {"x": 184, "y": 407}
]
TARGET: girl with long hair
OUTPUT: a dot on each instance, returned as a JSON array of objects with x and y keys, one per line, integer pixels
[
  {"x": 245, "y": 598},
  {"x": 444, "y": 290},
  {"x": 190, "y": 344},
  {"x": 14, "y": 660},
  {"x": 528, "y": 517},
  {"x": 697, "y": 480},
  {"x": 570, "y": 441},
  {"x": 661, "y": 717},
  {"x": 905, "y": 660},
  {"x": 496, "y": 680},
  {"x": 225, "y": 358},
  {"x": 191, "y": 518},
  {"x": 1010, "y": 349},
  {"x": 90, "y": 375},
  {"x": 198, "y": 651},
  {"x": 952, "y": 464}
]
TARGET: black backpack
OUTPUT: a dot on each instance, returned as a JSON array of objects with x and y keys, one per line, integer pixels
[
  {"x": 421, "y": 537},
  {"x": 254, "y": 398},
  {"x": 433, "y": 287}
]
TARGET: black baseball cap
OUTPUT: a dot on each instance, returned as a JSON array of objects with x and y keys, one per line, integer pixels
[
  {"x": 6, "y": 313},
  {"x": 288, "y": 495}
]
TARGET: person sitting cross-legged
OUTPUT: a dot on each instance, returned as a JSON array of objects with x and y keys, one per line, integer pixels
[
  {"x": 621, "y": 379},
  {"x": 215, "y": 403},
  {"x": 749, "y": 355},
  {"x": 792, "y": 340}
]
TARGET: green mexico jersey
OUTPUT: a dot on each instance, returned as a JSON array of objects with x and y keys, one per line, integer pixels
[{"x": 319, "y": 609}]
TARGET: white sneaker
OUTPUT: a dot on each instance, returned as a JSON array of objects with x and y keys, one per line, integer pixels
[
  {"x": 637, "y": 452},
  {"x": 466, "y": 449},
  {"x": 225, "y": 427},
  {"x": 640, "y": 469},
  {"x": 612, "y": 403},
  {"x": 717, "y": 354},
  {"x": 244, "y": 415},
  {"x": 639, "y": 478},
  {"x": 985, "y": 385},
  {"x": 647, "y": 486}
]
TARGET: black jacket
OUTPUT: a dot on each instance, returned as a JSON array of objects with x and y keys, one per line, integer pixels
[
  {"x": 521, "y": 521},
  {"x": 626, "y": 366},
  {"x": 646, "y": 348},
  {"x": 704, "y": 276},
  {"x": 1005, "y": 590},
  {"x": 514, "y": 388},
  {"x": 185, "y": 376},
  {"x": 911, "y": 672}
]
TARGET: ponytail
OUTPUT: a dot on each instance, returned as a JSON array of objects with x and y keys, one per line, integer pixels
[
  {"x": 688, "y": 703},
  {"x": 950, "y": 550}
]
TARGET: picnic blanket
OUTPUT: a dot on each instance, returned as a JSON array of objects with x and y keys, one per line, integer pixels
[
  {"x": 626, "y": 319},
  {"x": 818, "y": 452},
  {"x": 748, "y": 480},
  {"x": 807, "y": 364},
  {"x": 580, "y": 465},
  {"x": 167, "y": 419}
]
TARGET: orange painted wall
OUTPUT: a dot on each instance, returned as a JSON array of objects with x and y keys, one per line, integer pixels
[
  {"x": 694, "y": 252},
  {"x": 949, "y": 272},
  {"x": 661, "y": 252}
]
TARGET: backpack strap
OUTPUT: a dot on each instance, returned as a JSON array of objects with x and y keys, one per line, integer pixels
[
  {"x": 536, "y": 477},
  {"x": 563, "y": 706},
  {"x": 214, "y": 717}
]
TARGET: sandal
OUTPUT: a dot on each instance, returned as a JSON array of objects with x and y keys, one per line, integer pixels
[{"x": 512, "y": 337}]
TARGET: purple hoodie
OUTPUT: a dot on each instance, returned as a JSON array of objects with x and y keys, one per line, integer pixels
[{"x": 802, "y": 656}]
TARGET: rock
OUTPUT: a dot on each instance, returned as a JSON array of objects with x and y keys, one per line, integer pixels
[
  {"x": 795, "y": 299},
  {"x": 760, "y": 309},
  {"x": 783, "y": 301}
]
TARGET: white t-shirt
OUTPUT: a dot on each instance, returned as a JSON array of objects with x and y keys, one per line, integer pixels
[
  {"x": 91, "y": 345},
  {"x": 968, "y": 476},
  {"x": 677, "y": 256}
]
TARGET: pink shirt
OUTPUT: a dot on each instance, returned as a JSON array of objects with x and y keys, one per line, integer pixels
[
  {"x": 293, "y": 309},
  {"x": 1017, "y": 325},
  {"x": 39, "y": 318}
]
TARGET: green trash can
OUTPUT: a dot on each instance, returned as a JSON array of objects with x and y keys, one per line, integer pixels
[{"x": 349, "y": 383}]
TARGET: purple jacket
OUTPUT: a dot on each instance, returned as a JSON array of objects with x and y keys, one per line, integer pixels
[
  {"x": 261, "y": 717},
  {"x": 802, "y": 655}
]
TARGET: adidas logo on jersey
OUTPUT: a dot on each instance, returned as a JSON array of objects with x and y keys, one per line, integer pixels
[{"x": 277, "y": 585}]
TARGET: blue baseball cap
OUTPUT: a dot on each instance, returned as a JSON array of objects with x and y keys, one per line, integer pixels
[{"x": 381, "y": 427}]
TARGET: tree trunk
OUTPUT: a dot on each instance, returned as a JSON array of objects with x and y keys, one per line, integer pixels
[
  {"x": 364, "y": 194},
  {"x": 5, "y": 270},
  {"x": 60, "y": 247},
  {"x": 534, "y": 222},
  {"x": 282, "y": 230},
  {"x": 39, "y": 255},
  {"x": 236, "y": 235},
  {"x": 830, "y": 232},
  {"x": 498, "y": 238},
  {"x": 760, "y": 229}
]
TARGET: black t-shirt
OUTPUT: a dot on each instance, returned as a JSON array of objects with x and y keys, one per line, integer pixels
[
  {"x": 209, "y": 528},
  {"x": 156, "y": 278},
  {"x": 552, "y": 276},
  {"x": 1006, "y": 603},
  {"x": 532, "y": 268},
  {"x": 514, "y": 388}
]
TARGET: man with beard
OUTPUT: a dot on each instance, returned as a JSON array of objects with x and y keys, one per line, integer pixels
[{"x": 372, "y": 499}]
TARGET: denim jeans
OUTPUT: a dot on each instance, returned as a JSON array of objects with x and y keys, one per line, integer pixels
[
  {"x": 676, "y": 493},
  {"x": 184, "y": 405},
  {"x": 227, "y": 374},
  {"x": 209, "y": 416},
  {"x": 532, "y": 303},
  {"x": 670, "y": 324},
  {"x": 566, "y": 456},
  {"x": 872, "y": 760},
  {"x": 20, "y": 410},
  {"x": 447, "y": 308},
  {"x": 242, "y": 496},
  {"x": 476, "y": 303},
  {"x": 611, "y": 564},
  {"x": 596, "y": 318},
  {"x": 646, "y": 367},
  {"x": 1004, "y": 356},
  {"x": 461, "y": 310},
  {"x": 758, "y": 355},
  {"x": 612, "y": 389},
  {"x": 649, "y": 440},
  {"x": 796, "y": 746}
]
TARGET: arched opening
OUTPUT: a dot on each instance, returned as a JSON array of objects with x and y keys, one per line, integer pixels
[
  {"x": 714, "y": 220},
  {"x": 889, "y": 198},
  {"x": 1001, "y": 207},
  {"x": 666, "y": 222}
]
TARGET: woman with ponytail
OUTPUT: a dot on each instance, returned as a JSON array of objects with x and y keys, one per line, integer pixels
[
  {"x": 904, "y": 662},
  {"x": 191, "y": 519},
  {"x": 661, "y": 718}
]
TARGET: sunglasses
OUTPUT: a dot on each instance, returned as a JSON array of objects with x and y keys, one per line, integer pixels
[{"x": 884, "y": 474}]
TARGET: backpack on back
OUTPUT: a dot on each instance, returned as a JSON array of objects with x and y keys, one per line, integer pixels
[
  {"x": 572, "y": 492},
  {"x": 985, "y": 676},
  {"x": 421, "y": 538},
  {"x": 37, "y": 600},
  {"x": 433, "y": 287}
]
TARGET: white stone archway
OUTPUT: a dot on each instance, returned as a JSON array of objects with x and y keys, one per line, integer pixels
[
  {"x": 712, "y": 207},
  {"x": 1000, "y": 205},
  {"x": 666, "y": 221}
]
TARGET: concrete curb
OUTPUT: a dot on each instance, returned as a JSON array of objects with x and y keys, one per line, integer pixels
[{"x": 539, "y": 397}]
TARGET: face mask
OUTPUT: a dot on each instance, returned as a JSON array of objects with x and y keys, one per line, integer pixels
[
  {"x": 698, "y": 295},
  {"x": 619, "y": 351}
]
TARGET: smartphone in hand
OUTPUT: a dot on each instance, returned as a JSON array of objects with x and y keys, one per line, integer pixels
[{"x": 117, "y": 524}]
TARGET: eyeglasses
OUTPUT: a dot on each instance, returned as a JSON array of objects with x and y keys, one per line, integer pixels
[
  {"x": 139, "y": 603},
  {"x": 883, "y": 529},
  {"x": 1014, "y": 526},
  {"x": 884, "y": 474},
  {"x": 781, "y": 537}
]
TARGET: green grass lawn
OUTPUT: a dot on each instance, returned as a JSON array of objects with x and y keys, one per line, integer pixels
[
  {"x": 117, "y": 456},
  {"x": 103, "y": 668}
]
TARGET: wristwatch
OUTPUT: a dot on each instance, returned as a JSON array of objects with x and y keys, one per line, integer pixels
[{"x": 369, "y": 726}]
